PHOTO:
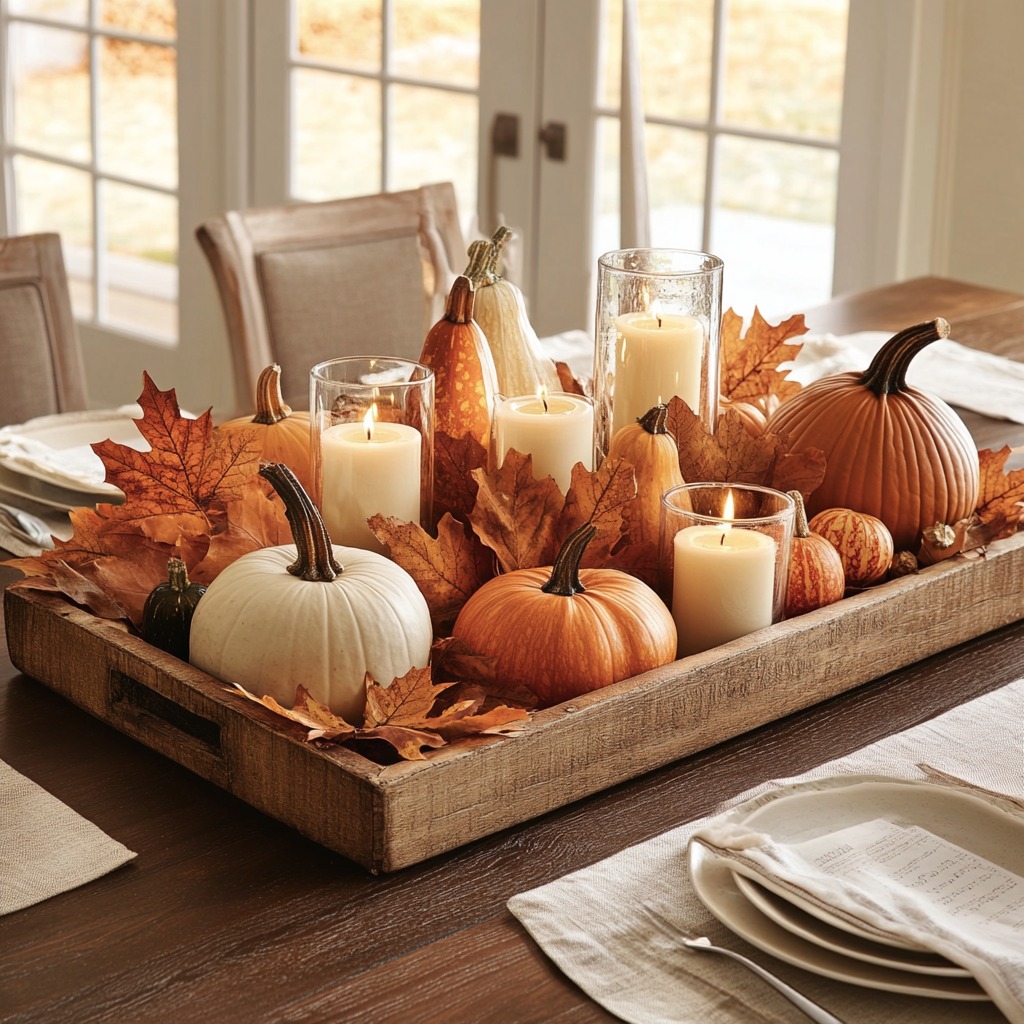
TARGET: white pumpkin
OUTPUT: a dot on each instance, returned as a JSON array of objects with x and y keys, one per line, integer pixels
[{"x": 262, "y": 625}]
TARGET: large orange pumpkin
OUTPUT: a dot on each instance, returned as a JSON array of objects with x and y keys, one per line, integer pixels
[{"x": 893, "y": 451}]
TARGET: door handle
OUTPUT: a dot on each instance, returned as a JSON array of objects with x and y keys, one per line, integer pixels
[{"x": 552, "y": 137}]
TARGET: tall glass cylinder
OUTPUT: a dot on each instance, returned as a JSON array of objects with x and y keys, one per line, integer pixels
[
  {"x": 372, "y": 422},
  {"x": 659, "y": 318}
]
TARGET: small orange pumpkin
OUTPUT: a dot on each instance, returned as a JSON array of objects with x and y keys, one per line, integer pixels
[
  {"x": 752, "y": 416},
  {"x": 283, "y": 435},
  {"x": 816, "y": 575},
  {"x": 562, "y": 631},
  {"x": 863, "y": 541},
  {"x": 651, "y": 450}
]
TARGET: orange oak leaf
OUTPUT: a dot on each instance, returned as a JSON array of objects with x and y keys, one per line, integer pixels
[
  {"x": 515, "y": 515},
  {"x": 321, "y": 722},
  {"x": 447, "y": 568},
  {"x": 1001, "y": 493},
  {"x": 750, "y": 362},
  {"x": 187, "y": 471},
  {"x": 455, "y": 489}
]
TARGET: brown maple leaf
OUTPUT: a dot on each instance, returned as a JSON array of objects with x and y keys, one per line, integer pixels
[
  {"x": 515, "y": 515},
  {"x": 455, "y": 459},
  {"x": 447, "y": 568},
  {"x": 187, "y": 471},
  {"x": 750, "y": 363},
  {"x": 731, "y": 455},
  {"x": 568, "y": 381},
  {"x": 1001, "y": 493},
  {"x": 407, "y": 701}
]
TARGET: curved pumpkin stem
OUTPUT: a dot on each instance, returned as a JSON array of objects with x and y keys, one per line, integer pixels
[
  {"x": 800, "y": 528},
  {"x": 316, "y": 561},
  {"x": 655, "y": 420},
  {"x": 270, "y": 406},
  {"x": 887, "y": 373},
  {"x": 565, "y": 574},
  {"x": 479, "y": 261},
  {"x": 459, "y": 307},
  {"x": 177, "y": 575}
]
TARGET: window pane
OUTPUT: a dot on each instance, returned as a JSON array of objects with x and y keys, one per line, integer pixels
[
  {"x": 774, "y": 224},
  {"x": 438, "y": 41},
  {"x": 138, "y": 103},
  {"x": 337, "y": 135},
  {"x": 49, "y": 197},
  {"x": 50, "y": 72},
  {"x": 343, "y": 32},
  {"x": 146, "y": 17},
  {"x": 59, "y": 10},
  {"x": 606, "y": 231},
  {"x": 140, "y": 259},
  {"x": 675, "y": 189},
  {"x": 434, "y": 138},
  {"x": 675, "y": 57},
  {"x": 784, "y": 65}
]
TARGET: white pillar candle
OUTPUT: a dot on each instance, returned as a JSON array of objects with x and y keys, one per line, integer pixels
[
  {"x": 557, "y": 430},
  {"x": 723, "y": 585},
  {"x": 368, "y": 468},
  {"x": 656, "y": 357}
]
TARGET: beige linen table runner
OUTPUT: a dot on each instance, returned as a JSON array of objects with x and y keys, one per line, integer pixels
[
  {"x": 46, "y": 847},
  {"x": 591, "y": 922}
]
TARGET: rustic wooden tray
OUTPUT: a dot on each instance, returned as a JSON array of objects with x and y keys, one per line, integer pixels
[{"x": 387, "y": 817}]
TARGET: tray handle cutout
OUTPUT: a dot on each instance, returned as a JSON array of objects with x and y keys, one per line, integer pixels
[{"x": 167, "y": 727}]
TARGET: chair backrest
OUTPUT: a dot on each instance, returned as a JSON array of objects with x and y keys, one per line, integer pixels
[
  {"x": 39, "y": 348},
  {"x": 305, "y": 282}
]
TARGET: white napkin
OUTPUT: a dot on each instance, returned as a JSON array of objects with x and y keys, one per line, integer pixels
[
  {"x": 962, "y": 376},
  {"x": 899, "y": 882},
  {"x": 46, "y": 847},
  {"x": 592, "y": 925}
]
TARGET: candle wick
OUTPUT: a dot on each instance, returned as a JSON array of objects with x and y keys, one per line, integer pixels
[
  {"x": 722, "y": 541},
  {"x": 659, "y": 321},
  {"x": 544, "y": 400}
]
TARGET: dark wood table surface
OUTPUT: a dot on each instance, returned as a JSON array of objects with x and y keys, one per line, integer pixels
[{"x": 225, "y": 915}]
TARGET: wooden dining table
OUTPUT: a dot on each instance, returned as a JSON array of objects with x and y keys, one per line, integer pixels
[{"x": 225, "y": 915}]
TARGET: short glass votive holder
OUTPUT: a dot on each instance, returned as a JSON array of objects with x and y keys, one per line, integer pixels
[
  {"x": 555, "y": 428},
  {"x": 372, "y": 423},
  {"x": 659, "y": 319},
  {"x": 725, "y": 559}
]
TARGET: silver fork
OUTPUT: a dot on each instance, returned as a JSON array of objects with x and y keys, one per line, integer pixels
[{"x": 703, "y": 944}]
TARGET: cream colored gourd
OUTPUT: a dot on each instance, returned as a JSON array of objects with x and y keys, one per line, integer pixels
[
  {"x": 500, "y": 311},
  {"x": 311, "y": 614}
]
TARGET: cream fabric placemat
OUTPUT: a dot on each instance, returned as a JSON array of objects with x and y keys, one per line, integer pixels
[
  {"x": 591, "y": 925},
  {"x": 45, "y": 847}
]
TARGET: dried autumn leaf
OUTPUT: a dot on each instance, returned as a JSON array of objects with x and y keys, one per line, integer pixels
[
  {"x": 321, "y": 722},
  {"x": 501, "y": 720},
  {"x": 568, "y": 381},
  {"x": 600, "y": 497},
  {"x": 407, "y": 701},
  {"x": 455, "y": 459},
  {"x": 515, "y": 515},
  {"x": 447, "y": 569},
  {"x": 1001, "y": 493},
  {"x": 750, "y": 362}
]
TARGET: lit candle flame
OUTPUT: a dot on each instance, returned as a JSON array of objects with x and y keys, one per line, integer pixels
[
  {"x": 656, "y": 311},
  {"x": 368, "y": 421},
  {"x": 728, "y": 514}
]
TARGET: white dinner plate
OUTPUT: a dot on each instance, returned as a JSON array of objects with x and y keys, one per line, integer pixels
[
  {"x": 716, "y": 887},
  {"x": 813, "y": 929},
  {"x": 811, "y": 809},
  {"x": 56, "y": 449}
]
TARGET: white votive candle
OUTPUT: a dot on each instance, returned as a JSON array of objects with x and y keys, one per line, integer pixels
[
  {"x": 557, "y": 430},
  {"x": 656, "y": 356},
  {"x": 368, "y": 468},
  {"x": 723, "y": 585}
]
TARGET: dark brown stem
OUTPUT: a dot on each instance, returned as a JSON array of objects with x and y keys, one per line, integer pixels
[
  {"x": 270, "y": 406},
  {"x": 655, "y": 420},
  {"x": 459, "y": 307},
  {"x": 316, "y": 561},
  {"x": 177, "y": 575},
  {"x": 565, "y": 574},
  {"x": 887, "y": 373}
]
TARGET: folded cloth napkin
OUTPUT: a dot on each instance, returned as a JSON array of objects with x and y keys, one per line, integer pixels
[
  {"x": 593, "y": 926},
  {"x": 45, "y": 847},
  {"x": 962, "y": 376},
  {"x": 898, "y": 882}
]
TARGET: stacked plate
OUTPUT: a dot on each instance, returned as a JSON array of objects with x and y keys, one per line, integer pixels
[
  {"x": 49, "y": 460},
  {"x": 803, "y": 933}
]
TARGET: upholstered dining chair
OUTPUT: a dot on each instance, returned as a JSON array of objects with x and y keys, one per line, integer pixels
[
  {"x": 305, "y": 282},
  {"x": 39, "y": 347}
]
